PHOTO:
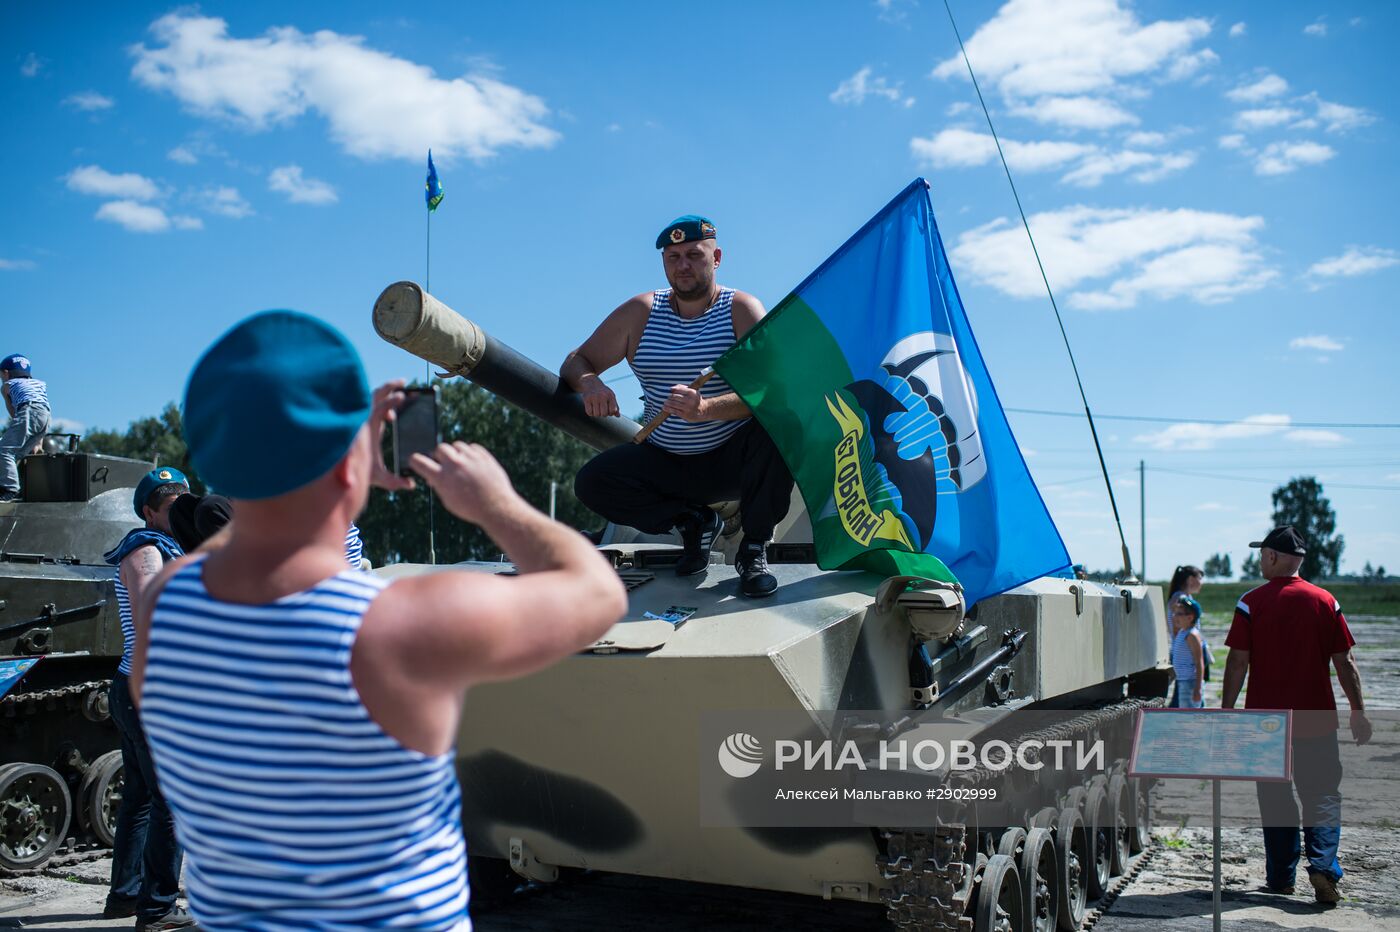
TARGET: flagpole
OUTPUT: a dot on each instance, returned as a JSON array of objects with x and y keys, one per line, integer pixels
[{"x": 428, "y": 380}]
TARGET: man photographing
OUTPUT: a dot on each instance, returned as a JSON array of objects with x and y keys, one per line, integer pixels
[
  {"x": 302, "y": 715},
  {"x": 710, "y": 448},
  {"x": 1284, "y": 636}
]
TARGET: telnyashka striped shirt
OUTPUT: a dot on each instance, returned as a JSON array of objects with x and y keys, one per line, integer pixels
[
  {"x": 124, "y": 612},
  {"x": 26, "y": 392},
  {"x": 674, "y": 351},
  {"x": 295, "y": 809},
  {"x": 354, "y": 547},
  {"x": 1182, "y": 662}
]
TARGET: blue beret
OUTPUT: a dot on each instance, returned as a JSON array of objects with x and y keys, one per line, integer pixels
[
  {"x": 274, "y": 404},
  {"x": 686, "y": 229},
  {"x": 16, "y": 363},
  {"x": 161, "y": 475}
]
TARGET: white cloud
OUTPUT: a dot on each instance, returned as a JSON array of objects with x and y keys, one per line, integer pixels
[
  {"x": 16, "y": 265},
  {"x": 89, "y": 101},
  {"x": 957, "y": 107},
  {"x": 31, "y": 65},
  {"x": 1317, "y": 28},
  {"x": 1213, "y": 506},
  {"x": 961, "y": 148},
  {"x": 1033, "y": 49},
  {"x": 1196, "y": 436},
  {"x": 1280, "y": 158},
  {"x": 1145, "y": 139},
  {"x": 1109, "y": 258},
  {"x": 134, "y": 216},
  {"x": 892, "y": 11},
  {"x": 1075, "y": 112},
  {"x": 1232, "y": 141},
  {"x": 1357, "y": 260},
  {"x": 183, "y": 155},
  {"x": 1317, "y": 342},
  {"x": 1315, "y": 438},
  {"x": 1393, "y": 477},
  {"x": 1265, "y": 117},
  {"x": 289, "y": 180},
  {"x": 224, "y": 201},
  {"x": 1339, "y": 117},
  {"x": 1143, "y": 166},
  {"x": 1270, "y": 85},
  {"x": 861, "y": 85},
  {"x": 1238, "y": 30},
  {"x": 376, "y": 104},
  {"x": 92, "y": 179}
]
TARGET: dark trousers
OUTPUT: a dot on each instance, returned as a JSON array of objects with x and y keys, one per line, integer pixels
[
  {"x": 146, "y": 857},
  {"x": 1317, "y": 776},
  {"x": 643, "y": 486}
]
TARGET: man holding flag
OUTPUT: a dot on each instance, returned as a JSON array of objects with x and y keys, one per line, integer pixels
[{"x": 709, "y": 448}]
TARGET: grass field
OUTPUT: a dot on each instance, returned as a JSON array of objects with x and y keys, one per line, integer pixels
[{"x": 1356, "y": 598}]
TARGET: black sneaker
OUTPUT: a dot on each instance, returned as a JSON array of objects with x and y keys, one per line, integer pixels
[
  {"x": 8, "y": 495},
  {"x": 118, "y": 908},
  {"x": 699, "y": 531},
  {"x": 751, "y": 562},
  {"x": 1276, "y": 891},
  {"x": 177, "y": 918}
]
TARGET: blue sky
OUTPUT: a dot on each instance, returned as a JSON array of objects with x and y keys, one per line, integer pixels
[{"x": 1211, "y": 186}]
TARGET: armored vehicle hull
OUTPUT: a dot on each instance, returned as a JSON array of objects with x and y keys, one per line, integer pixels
[
  {"x": 611, "y": 760},
  {"x": 60, "y": 642}
]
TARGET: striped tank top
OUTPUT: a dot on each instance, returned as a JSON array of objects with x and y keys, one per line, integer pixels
[
  {"x": 354, "y": 547},
  {"x": 673, "y": 351},
  {"x": 294, "y": 807},
  {"x": 27, "y": 392},
  {"x": 1182, "y": 661},
  {"x": 169, "y": 550}
]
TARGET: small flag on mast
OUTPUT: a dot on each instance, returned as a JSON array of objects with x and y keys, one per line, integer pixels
[{"x": 432, "y": 191}]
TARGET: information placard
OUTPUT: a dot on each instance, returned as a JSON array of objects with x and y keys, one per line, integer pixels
[{"x": 1213, "y": 744}]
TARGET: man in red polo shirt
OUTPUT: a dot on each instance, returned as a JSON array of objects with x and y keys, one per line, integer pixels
[{"x": 1285, "y": 635}]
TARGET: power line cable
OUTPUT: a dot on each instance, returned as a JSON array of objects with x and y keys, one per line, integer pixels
[
  {"x": 1213, "y": 421},
  {"x": 1093, "y": 431}
]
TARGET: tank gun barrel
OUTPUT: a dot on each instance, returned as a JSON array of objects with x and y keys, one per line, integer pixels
[{"x": 411, "y": 319}]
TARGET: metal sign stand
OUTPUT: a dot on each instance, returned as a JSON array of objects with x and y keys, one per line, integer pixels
[{"x": 1215, "y": 822}]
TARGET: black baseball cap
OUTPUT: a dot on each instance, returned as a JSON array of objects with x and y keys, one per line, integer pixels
[{"x": 1285, "y": 540}]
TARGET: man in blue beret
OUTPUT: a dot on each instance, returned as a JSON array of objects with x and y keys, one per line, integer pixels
[
  {"x": 145, "y": 856},
  {"x": 709, "y": 448},
  {"x": 303, "y": 715},
  {"x": 27, "y": 402}
]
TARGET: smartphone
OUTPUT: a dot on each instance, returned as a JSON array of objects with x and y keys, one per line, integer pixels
[{"x": 415, "y": 427}]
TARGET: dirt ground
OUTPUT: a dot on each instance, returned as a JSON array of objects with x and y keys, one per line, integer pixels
[{"x": 1172, "y": 891}]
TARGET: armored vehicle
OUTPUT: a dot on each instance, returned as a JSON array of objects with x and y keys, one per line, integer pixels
[
  {"x": 60, "y": 642},
  {"x": 600, "y": 761}
]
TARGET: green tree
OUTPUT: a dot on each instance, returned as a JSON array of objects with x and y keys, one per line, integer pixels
[
  {"x": 1218, "y": 566},
  {"x": 1302, "y": 504},
  {"x": 157, "y": 440},
  {"x": 395, "y": 524},
  {"x": 1249, "y": 569}
]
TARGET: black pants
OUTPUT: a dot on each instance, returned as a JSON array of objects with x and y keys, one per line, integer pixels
[{"x": 643, "y": 486}]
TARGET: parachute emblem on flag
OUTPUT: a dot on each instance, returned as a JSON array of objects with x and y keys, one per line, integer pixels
[{"x": 923, "y": 439}]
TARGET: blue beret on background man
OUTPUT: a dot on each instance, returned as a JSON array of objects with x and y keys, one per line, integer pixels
[
  {"x": 686, "y": 229},
  {"x": 280, "y": 382},
  {"x": 161, "y": 475}
]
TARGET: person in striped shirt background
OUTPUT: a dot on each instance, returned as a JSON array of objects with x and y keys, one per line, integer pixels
[
  {"x": 27, "y": 402},
  {"x": 302, "y": 715},
  {"x": 709, "y": 448}
]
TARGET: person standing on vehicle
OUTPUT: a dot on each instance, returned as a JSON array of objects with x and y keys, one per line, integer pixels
[{"x": 27, "y": 403}]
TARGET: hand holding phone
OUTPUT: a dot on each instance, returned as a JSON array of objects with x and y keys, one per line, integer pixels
[{"x": 415, "y": 427}]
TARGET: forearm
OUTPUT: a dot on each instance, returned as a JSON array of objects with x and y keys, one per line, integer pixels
[
  {"x": 1232, "y": 684},
  {"x": 726, "y": 407},
  {"x": 534, "y": 542},
  {"x": 1349, "y": 676},
  {"x": 577, "y": 370}
]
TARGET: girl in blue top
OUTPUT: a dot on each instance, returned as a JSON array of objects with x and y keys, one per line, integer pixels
[{"x": 1188, "y": 656}]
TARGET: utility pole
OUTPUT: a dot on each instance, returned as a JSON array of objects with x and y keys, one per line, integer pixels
[{"x": 1142, "y": 516}]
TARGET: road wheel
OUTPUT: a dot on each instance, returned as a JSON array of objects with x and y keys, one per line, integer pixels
[
  {"x": 1120, "y": 801},
  {"x": 100, "y": 797},
  {"x": 1012, "y": 841},
  {"x": 1141, "y": 820},
  {"x": 1073, "y": 867},
  {"x": 35, "y": 809},
  {"x": 1098, "y": 828},
  {"x": 999, "y": 898},
  {"x": 1039, "y": 881}
]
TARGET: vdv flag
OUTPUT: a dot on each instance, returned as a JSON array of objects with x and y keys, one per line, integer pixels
[
  {"x": 870, "y": 382},
  {"x": 432, "y": 192}
]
